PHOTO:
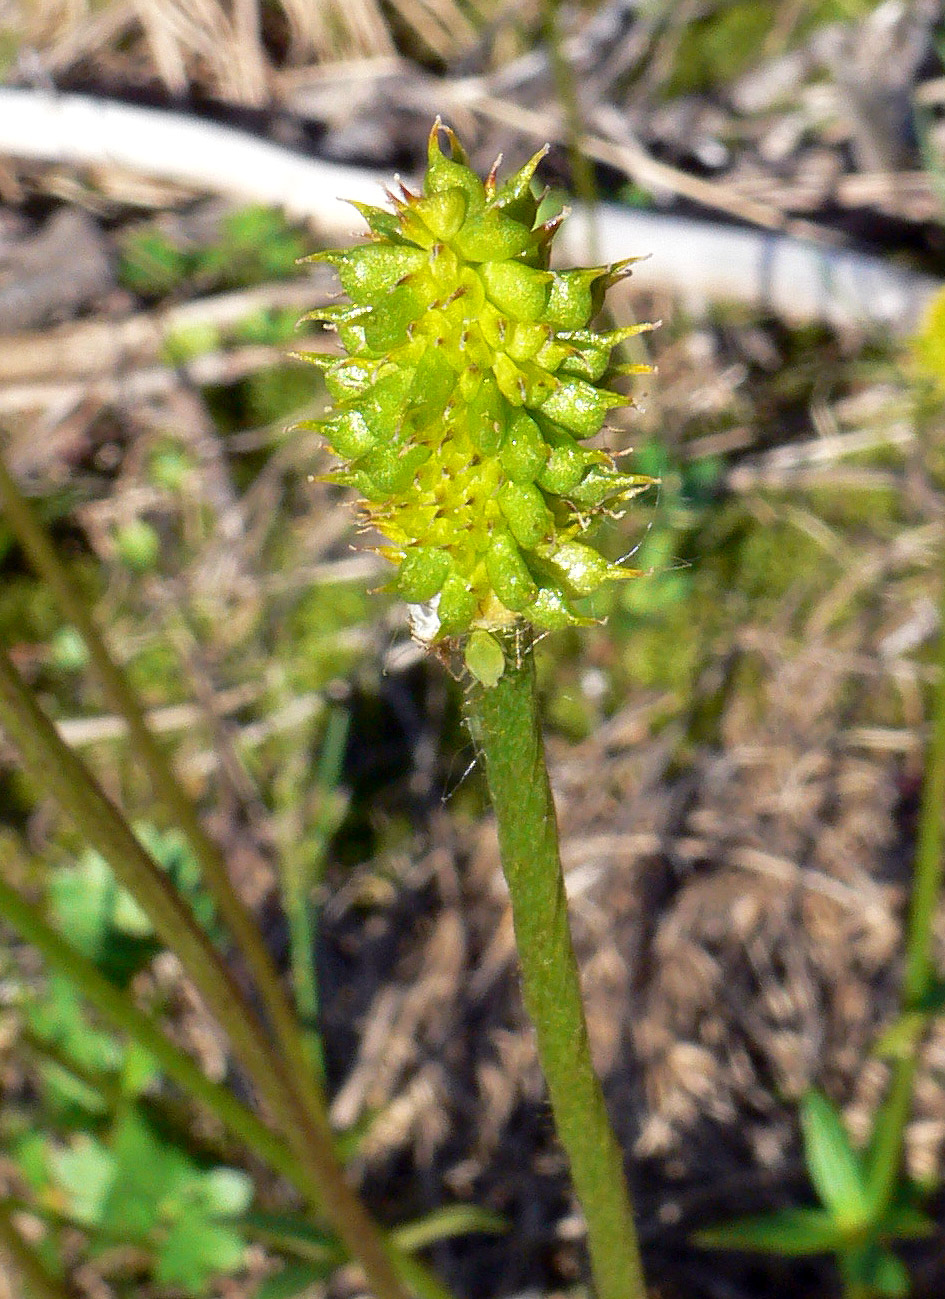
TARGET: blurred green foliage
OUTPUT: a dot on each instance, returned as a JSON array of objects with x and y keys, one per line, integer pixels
[
  {"x": 727, "y": 38},
  {"x": 254, "y": 245}
]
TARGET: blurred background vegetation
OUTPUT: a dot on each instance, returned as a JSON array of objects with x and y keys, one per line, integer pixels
[{"x": 737, "y": 744}]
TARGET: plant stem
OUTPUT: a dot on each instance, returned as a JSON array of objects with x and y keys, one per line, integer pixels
[
  {"x": 306, "y": 825},
  {"x": 306, "y": 1128},
  {"x": 893, "y": 1117},
  {"x": 37, "y": 1281},
  {"x": 505, "y": 726},
  {"x": 929, "y": 859},
  {"x": 42, "y": 554}
]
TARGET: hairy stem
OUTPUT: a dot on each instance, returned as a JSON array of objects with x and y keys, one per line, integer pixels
[{"x": 505, "y": 726}]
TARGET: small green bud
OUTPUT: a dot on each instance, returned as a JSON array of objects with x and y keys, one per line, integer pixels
[
  {"x": 563, "y": 470},
  {"x": 484, "y": 658},
  {"x": 508, "y": 573},
  {"x": 422, "y": 573},
  {"x": 442, "y": 213},
  {"x": 138, "y": 546},
  {"x": 486, "y": 415},
  {"x": 583, "y": 569},
  {"x": 68, "y": 650},
  {"x": 366, "y": 273},
  {"x": 571, "y": 302},
  {"x": 457, "y": 606},
  {"x": 580, "y": 407},
  {"x": 520, "y": 290},
  {"x": 348, "y": 434},
  {"x": 525, "y": 451},
  {"x": 491, "y": 237},
  {"x": 529, "y": 519},
  {"x": 471, "y": 378}
]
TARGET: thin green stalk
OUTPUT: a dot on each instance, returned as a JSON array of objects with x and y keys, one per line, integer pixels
[
  {"x": 505, "y": 726},
  {"x": 37, "y": 1282},
  {"x": 42, "y": 554},
  {"x": 919, "y": 970},
  {"x": 63, "y": 775},
  {"x": 930, "y": 861},
  {"x": 307, "y": 827}
]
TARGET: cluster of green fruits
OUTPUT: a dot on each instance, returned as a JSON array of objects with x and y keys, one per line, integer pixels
[{"x": 470, "y": 382}]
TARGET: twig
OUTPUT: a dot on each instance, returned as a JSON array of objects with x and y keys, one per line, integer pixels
[
  {"x": 141, "y": 385},
  {"x": 696, "y": 259}
]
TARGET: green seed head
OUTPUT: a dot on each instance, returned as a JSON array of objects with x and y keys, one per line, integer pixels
[{"x": 470, "y": 382}]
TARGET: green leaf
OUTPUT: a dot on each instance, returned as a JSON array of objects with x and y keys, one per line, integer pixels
[
  {"x": 789, "y": 1233},
  {"x": 60, "y": 1019},
  {"x": 445, "y": 1223},
  {"x": 85, "y": 1173},
  {"x": 139, "y": 1070},
  {"x": 873, "y": 1270},
  {"x": 889, "y": 1276},
  {"x": 294, "y": 1235},
  {"x": 832, "y": 1162},
  {"x": 82, "y": 900},
  {"x": 905, "y": 1222},
  {"x": 194, "y": 1250},
  {"x": 933, "y": 999},
  {"x": 226, "y": 1192},
  {"x": 150, "y": 1175}
]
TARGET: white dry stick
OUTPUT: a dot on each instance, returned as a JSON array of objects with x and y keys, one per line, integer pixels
[{"x": 701, "y": 261}]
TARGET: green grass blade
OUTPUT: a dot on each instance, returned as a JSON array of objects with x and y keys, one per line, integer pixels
[
  {"x": 788, "y": 1233},
  {"x": 832, "y": 1162}
]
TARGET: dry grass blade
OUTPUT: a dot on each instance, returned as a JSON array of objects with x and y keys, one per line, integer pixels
[
  {"x": 336, "y": 31},
  {"x": 187, "y": 37}
]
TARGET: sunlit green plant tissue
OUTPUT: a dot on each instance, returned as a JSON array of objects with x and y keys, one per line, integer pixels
[{"x": 471, "y": 383}]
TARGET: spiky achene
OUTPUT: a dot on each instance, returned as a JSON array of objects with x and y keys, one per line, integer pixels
[{"x": 471, "y": 380}]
